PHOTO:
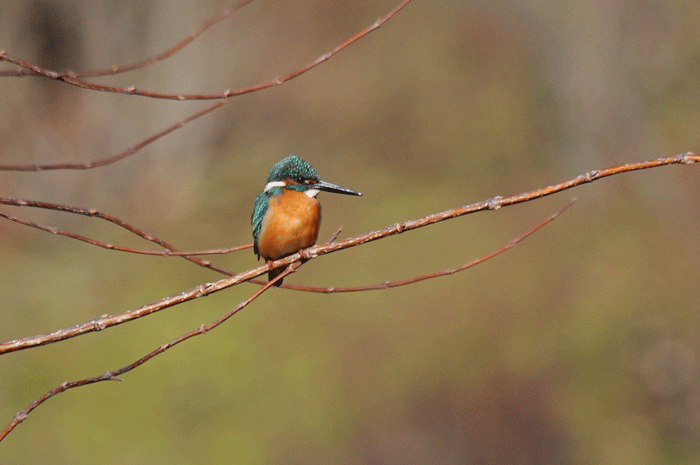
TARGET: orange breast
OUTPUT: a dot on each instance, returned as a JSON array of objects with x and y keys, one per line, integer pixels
[{"x": 291, "y": 224}]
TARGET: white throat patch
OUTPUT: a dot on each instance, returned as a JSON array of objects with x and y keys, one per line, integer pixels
[{"x": 312, "y": 192}]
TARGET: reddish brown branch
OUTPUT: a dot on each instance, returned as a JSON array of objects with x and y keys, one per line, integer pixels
[
  {"x": 392, "y": 284},
  {"x": 294, "y": 261},
  {"x": 105, "y": 245},
  {"x": 107, "y": 321},
  {"x": 116, "y": 69},
  {"x": 131, "y": 90},
  {"x": 222, "y": 96},
  {"x": 91, "y": 213},
  {"x": 496, "y": 203},
  {"x": 113, "y": 375},
  {"x": 492, "y": 204},
  {"x": 126, "y": 153},
  {"x": 318, "y": 250}
]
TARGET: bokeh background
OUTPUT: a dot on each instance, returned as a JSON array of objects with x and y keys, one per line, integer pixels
[{"x": 579, "y": 346}]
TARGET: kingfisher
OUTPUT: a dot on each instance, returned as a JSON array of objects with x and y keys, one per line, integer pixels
[{"x": 286, "y": 215}]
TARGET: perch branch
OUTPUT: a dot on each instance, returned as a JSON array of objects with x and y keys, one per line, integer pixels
[
  {"x": 495, "y": 203},
  {"x": 202, "y": 290},
  {"x": 292, "y": 267},
  {"x": 318, "y": 250}
]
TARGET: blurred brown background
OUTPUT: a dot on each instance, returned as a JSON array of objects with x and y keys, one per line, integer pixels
[{"x": 579, "y": 346}]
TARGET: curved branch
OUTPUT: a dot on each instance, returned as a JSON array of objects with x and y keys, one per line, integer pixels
[
  {"x": 168, "y": 252},
  {"x": 223, "y": 97},
  {"x": 405, "y": 282},
  {"x": 131, "y": 90},
  {"x": 495, "y": 203},
  {"x": 112, "y": 375},
  {"x": 120, "y": 156},
  {"x": 116, "y": 69},
  {"x": 92, "y": 213}
]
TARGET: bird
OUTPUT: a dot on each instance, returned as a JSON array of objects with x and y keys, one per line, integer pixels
[{"x": 286, "y": 215}]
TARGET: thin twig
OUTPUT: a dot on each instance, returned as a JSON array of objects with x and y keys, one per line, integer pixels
[
  {"x": 392, "y": 284},
  {"x": 92, "y": 213},
  {"x": 113, "y": 374},
  {"x": 222, "y": 96},
  {"x": 116, "y": 69},
  {"x": 120, "y": 156},
  {"x": 131, "y": 90},
  {"x": 105, "y": 245}
]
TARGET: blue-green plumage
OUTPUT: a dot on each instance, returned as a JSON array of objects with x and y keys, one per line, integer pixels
[
  {"x": 286, "y": 215},
  {"x": 293, "y": 168},
  {"x": 259, "y": 209}
]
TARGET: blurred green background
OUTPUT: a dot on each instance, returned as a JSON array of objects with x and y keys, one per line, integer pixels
[{"x": 579, "y": 346}]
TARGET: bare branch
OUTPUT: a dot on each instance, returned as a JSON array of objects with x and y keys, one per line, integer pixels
[
  {"x": 392, "y": 284},
  {"x": 104, "y": 245},
  {"x": 491, "y": 204},
  {"x": 113, "y": 375},
  {"x": 131, "y": 90},
  {"x": 318, "y": 250},
  {"x": 92, "y": 213},
  {"x": 116, "y": 69},
  {"x": 106, "y": 321},
  {"x": 120, "y": 156},
  {"x": 222, "y": 96}
]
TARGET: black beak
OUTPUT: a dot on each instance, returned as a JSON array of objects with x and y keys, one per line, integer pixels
[{"x": 328, "y": 187}]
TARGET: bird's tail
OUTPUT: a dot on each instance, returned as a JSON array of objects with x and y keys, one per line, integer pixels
[{"x": 273, "y": 274}]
